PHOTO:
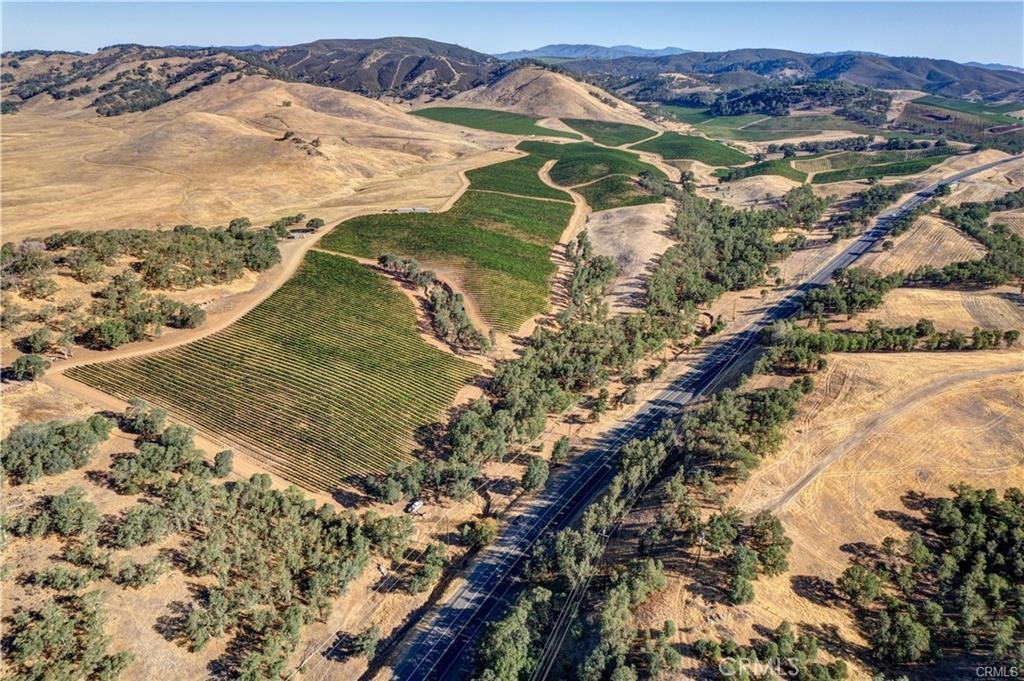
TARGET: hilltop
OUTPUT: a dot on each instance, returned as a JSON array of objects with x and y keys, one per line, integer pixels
[
  {"x": 535, "y": 91},
  {"x": 398, "y": 67}
]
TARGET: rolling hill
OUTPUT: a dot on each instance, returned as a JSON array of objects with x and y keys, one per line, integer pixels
[
  {"x": 535, "y": 91},
  {"x": 253, "y": 146},
  {"x": 397, "y": 67},
  {"x": 749, "y": 66}
]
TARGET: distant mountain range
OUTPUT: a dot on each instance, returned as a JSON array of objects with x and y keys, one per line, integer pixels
[
  {"x": 565, "y": 51},
  {"x": 750, "y": 66},
  {"x": 995, "y": 67},
  {"x": 408, "y": 68},
  {"x": 256, "y": 47}
]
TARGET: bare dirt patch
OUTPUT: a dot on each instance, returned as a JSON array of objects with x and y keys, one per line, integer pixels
[
  {"x": 633, "y": 237},
  {"x": 899, "y": 102},
  {"x": 759, "y": 191}
]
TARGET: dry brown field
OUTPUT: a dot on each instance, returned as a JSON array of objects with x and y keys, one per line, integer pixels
[
  {"x": 998, "y": 308},
  {"x": 219, "y": 154},
  {"x": 1013, "y": 219},
  {"x": 539, "y": 92},
  {"x": 931, "y": 241},
  {"x": 633, "y": 236}
]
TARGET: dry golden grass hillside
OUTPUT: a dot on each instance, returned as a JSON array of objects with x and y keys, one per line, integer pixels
[
  {"x": 253, "y": 147},
  {"x": 538, "y": 92},
  {"x": 877, "y": 428}
]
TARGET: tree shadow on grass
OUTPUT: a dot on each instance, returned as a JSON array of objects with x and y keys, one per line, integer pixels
[{"x": 815, "y": 589}]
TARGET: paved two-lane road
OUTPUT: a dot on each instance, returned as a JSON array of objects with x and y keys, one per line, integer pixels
[{"x": 443, "y": 645}]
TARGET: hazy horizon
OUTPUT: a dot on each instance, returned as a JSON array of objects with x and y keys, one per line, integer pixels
[{"x": 987, "y": 32}]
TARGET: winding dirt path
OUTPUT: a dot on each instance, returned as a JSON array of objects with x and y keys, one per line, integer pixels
[
  {"x": 879, "y": 421},
  {"x": 563, "y": 274}
]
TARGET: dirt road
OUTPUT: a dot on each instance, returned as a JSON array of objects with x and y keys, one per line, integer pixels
[{"x": 880, "y": 421}]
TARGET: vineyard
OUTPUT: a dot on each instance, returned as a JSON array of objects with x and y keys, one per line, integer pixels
[
  {"x": 962, "y": 126},
  {"x": 616, "y": 191},
  {"x": 586, "y": 162},
  {"x": 494, "y": 121},
  {"x": 734, "y": 128},
  {"x": 499, "y": 245},
  {"x": 911, "y": 167},
  {"x": 778, "y": 166},
  {"x": 324, "y": 380},
  {"x": 675, "y": 146},
  {"x": 800, "y": 125},
  {"x": 997, "y": 113},
  {"x": 858, "y": 159},
  {"x": 610, "y": 134},
  {"x": 518, "y": 176},
  {"x": 685, "y": 114}
]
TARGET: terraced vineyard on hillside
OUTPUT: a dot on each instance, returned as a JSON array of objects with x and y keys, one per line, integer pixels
[
  {"x": 755, "y": 127},
  {"x": 325, "y": 379},
  {"x": 780, "y": 166},
  {"x": 487, "y": 119},
  {"x": 611, "y": 134},
  {"x": 911, "y": 167},
  {"x": 674, "y": 146},
  {"x": 858, "y": 159},
  {"x": 518, "y": 176},
  {"x": 499, "y": 245},
  {"x": 616, "y": 191},
  {"x": 585, "y": 162},
  {"x": 605, "y": 177}
]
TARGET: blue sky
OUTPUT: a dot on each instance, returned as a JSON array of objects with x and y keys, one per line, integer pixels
[{"x": 963, "y": 31}]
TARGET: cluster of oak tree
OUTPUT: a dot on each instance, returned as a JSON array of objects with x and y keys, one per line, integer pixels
[
  {"x": 866, "y": 205},
  {"x": 272, "y": 559},
  {"x": 856, "y": 103},
  {"x": 951, "y": 589},
  {"x": 795, "y": 348},
  {"x": 1004, "y": 260},
  {"x": 781, "y": 654},
  {"x": 447, "y": 309},
  {"x": 123, "y": 310},
  {"x": 720, "y": 249},
  {"x": 818, "y": 146},
  {"x": 851, "y": 290},
  {"x": 716, "y": 441}
]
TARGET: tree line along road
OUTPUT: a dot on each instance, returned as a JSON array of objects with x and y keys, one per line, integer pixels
[{"x": 441, "y": 645}]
